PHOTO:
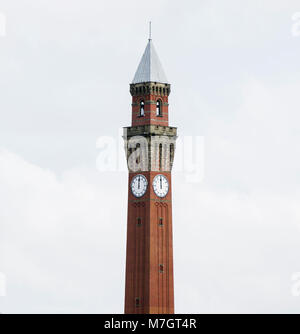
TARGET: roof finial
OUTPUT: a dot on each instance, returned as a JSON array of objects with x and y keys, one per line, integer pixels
[{"x": 150, "y": 31}]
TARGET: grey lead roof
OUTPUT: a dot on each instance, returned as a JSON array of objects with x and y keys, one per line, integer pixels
[{"x": 150, "y": 69}]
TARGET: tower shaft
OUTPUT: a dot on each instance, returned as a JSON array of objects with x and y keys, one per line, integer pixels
[{"x": 149, "y": 262}]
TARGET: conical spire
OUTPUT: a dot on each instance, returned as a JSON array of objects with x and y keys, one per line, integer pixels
[{"x": 150, "y": 69}]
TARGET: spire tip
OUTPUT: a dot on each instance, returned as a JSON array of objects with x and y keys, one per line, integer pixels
[{"x": 150, "y": 31}]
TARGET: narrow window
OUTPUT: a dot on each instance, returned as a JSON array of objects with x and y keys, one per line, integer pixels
[
  {"x": 138, "y": 158},
  {"x": 158, "y": 108},
  {"x": 171, "y": 155},
  {"x": 139, "y": 221},
  {"x": 160, "y": 223},
  {"x": 137, "y": 302},
  {"x": 160, "y": 157},
  {"x": 161, "y": 268},
  {"x": 142, "y": 108}
]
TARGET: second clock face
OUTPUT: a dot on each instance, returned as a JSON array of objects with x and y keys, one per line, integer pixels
[
  {"x": 160, "y": 185},
  {"x": 139, "y": 185}
]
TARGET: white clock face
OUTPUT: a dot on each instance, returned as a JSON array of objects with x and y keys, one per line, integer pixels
[
  {"x": 160, "y": 185},
  {"x": 139, "y": 185}
]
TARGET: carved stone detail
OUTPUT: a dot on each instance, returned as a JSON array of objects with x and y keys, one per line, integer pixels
[{"x": 150, "y": 147}]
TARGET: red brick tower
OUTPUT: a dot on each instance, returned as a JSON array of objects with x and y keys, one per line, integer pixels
[{"x": 150, "y": 146}]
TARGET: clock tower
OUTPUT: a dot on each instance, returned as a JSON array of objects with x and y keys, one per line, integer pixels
[{"x": 150, "y": 146}]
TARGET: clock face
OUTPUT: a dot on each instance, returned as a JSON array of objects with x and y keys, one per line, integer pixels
[
  {"x": 160, "y": 185},
  {"x": 139, "y": 185}
]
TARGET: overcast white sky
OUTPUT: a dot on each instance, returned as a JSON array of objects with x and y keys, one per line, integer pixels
[{"x": 65, "y": 69}]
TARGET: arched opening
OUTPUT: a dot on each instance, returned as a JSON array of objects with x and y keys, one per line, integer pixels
[
  {"x": 142, "y": 108},
  {"x": 158, "y": 108}
]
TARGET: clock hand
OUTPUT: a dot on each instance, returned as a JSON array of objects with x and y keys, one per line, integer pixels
[
  {"x": 160, "y": 182},
  {"x": 139, "y": 182}
]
